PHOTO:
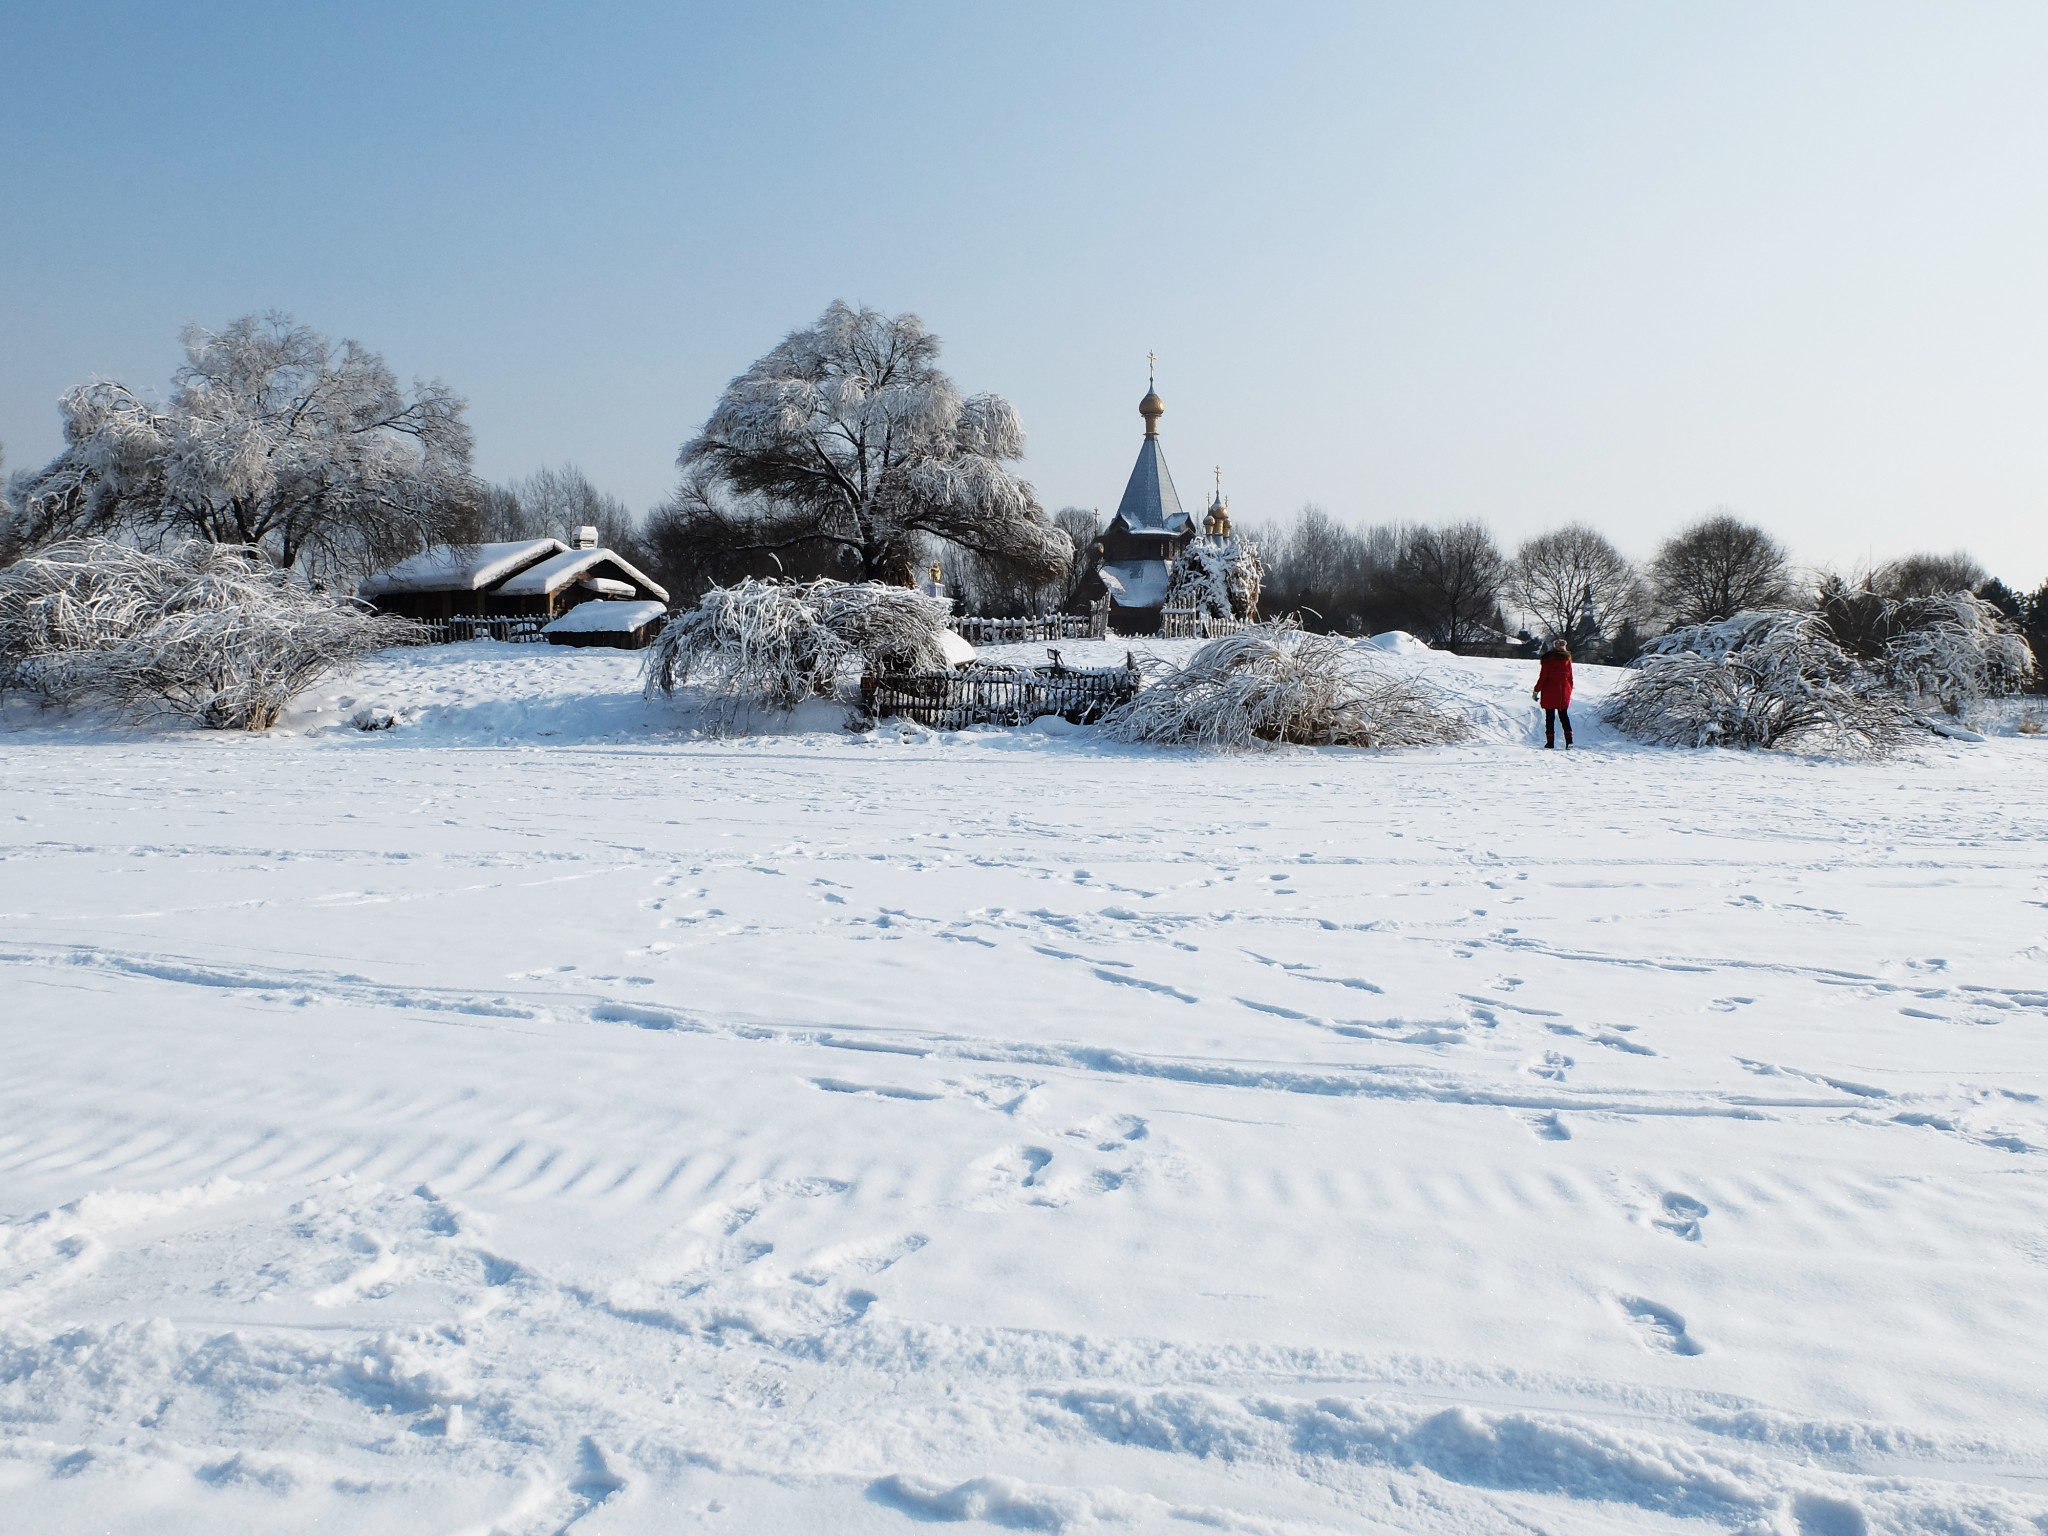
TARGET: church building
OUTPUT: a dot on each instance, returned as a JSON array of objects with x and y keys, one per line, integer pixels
[{"x": 1134, "y": 557}]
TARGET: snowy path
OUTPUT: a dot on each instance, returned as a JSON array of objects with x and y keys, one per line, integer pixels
[{"x": 823, "y": 1133}]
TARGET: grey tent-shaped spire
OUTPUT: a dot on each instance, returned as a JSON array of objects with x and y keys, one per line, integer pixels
[{"x": 1150, "y": 504}]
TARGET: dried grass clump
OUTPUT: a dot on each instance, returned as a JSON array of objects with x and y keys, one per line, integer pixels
[
  {"x": 1277, "y": 684},
  {"x": 207, "y": 632},
  {"x": 1770, "y": 679},
  {"x": 771, "y": 645}
]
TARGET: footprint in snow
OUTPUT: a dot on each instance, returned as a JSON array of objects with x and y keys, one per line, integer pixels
[
  {"x": 1659, "y": 1328},
  {"x": 1112, "y": 1133},
  {"x": 860, "y": 1258},
  {"x": 1025, "y": 1175},
  {"x": 1553, "y": 1066},
  {"x": 1817, "y": 1514},
  {"x": 1682, "y": 1217},
  {"x": 1549, "y": 1126}
]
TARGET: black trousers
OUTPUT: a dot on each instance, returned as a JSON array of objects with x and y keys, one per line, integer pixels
[{"x": 1551, "y": 717}]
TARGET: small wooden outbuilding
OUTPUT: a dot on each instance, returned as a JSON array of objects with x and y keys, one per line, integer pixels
[{"x": 617, "y": 622}]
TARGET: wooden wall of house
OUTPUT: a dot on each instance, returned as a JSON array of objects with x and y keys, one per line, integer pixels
[
  {"x": 618, "y": 640},
  {"x": 429, "y": 605}
]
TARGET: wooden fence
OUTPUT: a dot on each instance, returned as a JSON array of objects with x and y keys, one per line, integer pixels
[
  {"x": 1092, "y": 625},
  {"x": 950, "y": 701},
  {"x": 1190, "y": 624},
  {"x": 516, "y": 628}
]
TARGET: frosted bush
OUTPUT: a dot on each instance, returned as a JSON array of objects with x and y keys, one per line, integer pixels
[
  {"x": 1278, "y": 684},
  {"x": 1949, "y": 652},
  {"x": 1217, "y": 578},
  {"x": 1776, "y": 678},
  {"x": 772, "y": 645},
  {"x": 209, "y": 632}
]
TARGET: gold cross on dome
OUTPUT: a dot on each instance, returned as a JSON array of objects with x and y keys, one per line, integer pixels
[{"x": 1152, "y": 369}]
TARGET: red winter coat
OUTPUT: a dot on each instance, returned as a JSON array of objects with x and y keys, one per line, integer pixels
[{"x": 1554, "y": 683}]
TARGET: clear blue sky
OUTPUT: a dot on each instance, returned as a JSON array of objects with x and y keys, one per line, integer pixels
[{"x": 1528, "y": 263}]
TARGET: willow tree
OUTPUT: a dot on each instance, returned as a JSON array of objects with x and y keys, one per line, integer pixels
[
  {"x": 274, "y": 438},
  {"x": 847, "y": 447}
]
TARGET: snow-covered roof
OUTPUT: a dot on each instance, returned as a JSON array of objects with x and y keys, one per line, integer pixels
[
  {"x": 604, "y": 617},
  {"x": 461, "y": 567},
  {"x": 554, "y": 574},
  {"x": 1150, "y": 504},
  {"x": 1136, "y": 583}
]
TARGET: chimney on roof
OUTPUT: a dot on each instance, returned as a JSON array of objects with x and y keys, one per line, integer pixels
[{"x": 584, "y": 537}]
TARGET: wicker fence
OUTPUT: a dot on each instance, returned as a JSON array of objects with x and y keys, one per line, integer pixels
[
  {"x": 521, "y": 628},
  {"x": 1190, "y": 624},
  {"x": 950, "y": 701},
  {"x": 1093, "y": 625}
]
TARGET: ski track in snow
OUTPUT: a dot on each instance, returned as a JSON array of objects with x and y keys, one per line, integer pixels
[{"x": 534, "y": 1120}]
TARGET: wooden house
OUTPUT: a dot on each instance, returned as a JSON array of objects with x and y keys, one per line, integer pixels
[{"x": 540, "y": 579}]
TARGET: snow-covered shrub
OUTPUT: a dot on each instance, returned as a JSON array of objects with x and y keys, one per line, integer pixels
[
  {"x": 1217, "y": 578},
  {"x": 210, "y": 632},
  {"x": 774, "y": 644},
  {"x": 1776, "y": 678},
  {"x": 1278, "y": 684},
  {"x": 1949, "y": 652}
]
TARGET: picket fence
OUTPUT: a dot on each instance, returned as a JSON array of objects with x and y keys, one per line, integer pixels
[
  {"x": 517, "y": 628},
  {"x": 1093, "y": 625},
  {"x": 950, "y": 701},
  {"x": 1190, "y": 624}
]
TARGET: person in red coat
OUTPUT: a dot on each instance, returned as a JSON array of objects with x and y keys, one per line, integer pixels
[{"x": 1553, "y": 691}]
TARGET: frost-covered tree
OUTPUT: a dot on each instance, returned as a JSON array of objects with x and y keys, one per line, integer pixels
[
  {"x": 1218, "y": 578},
  {"x": 1776, "y": 678},
  {"x": 771, "y": 645},
  {"x": 1950, "y": 651},
  {"x": 1717, "y": 568},
  {"x": 1275, "y": 683},
  {"x": 213, "y": 633},
  {"x": 1944, "y": 650},
  {"x": 9, "y": 535},
  {"x": 274, "y": 438},
  {"x": 1575, "y": 585},
  {"x": 848, "y": 440}
]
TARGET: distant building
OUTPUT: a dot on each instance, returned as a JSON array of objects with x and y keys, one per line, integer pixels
[
  {"x": 1134, "y": 559},
  {"x": 532, "y": 578},
  {"x": 1133, "y": 556}
]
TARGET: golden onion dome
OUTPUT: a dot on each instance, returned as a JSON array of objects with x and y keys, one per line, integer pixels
[{"x": 1151, "y": 408}]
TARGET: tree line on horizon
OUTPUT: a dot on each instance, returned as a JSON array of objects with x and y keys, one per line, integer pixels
[
  {"x": 844, "y": 452},
  {"x": 1455, "y": 586}
]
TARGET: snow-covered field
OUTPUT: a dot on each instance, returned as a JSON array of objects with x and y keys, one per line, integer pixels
[{"x": 530, "y": 1118}]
